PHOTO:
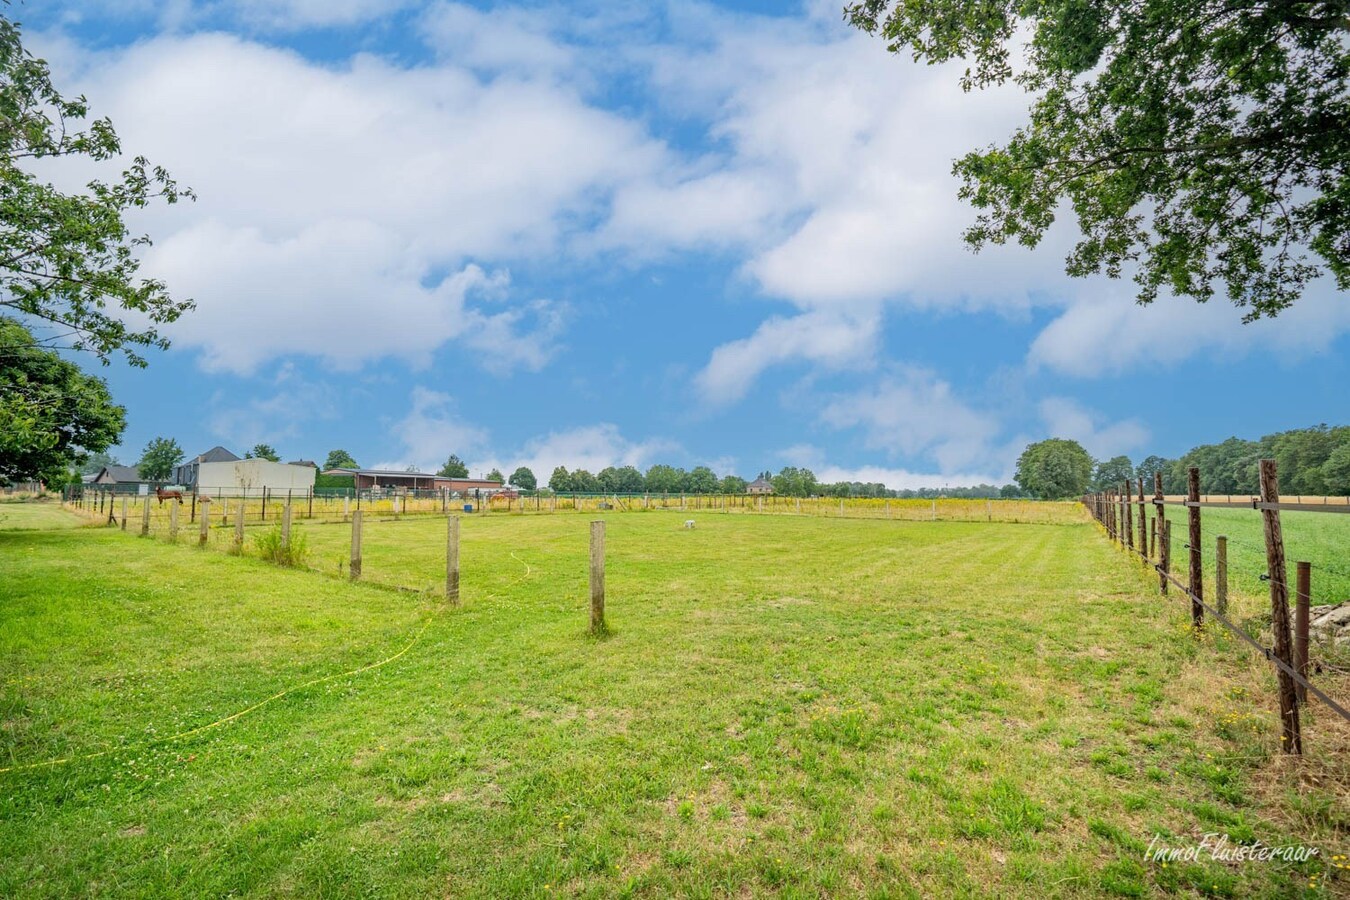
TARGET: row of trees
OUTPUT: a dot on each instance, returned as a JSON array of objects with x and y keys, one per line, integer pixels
[{"x": 1312, "y": 461}]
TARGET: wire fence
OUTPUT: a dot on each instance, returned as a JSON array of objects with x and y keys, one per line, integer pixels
[
  {"x": 1226, "y": 575},
  {"x": 151, "y": 512}
]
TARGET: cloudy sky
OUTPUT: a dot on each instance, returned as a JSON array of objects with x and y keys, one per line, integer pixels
[{"x": 625, "y": 232}]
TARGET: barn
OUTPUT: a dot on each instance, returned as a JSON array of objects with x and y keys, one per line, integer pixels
[{"x": 219, "y": 473}]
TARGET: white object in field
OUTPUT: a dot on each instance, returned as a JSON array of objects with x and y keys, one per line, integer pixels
[{"x": 688, "y": 523}]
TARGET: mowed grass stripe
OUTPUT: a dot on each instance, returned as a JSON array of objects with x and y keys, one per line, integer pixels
[{"x": 789, "y": 707}]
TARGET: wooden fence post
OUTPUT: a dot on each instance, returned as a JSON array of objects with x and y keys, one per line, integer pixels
[
  {"x": 239, "y": 528},
  {"x": 203, "y": 531},
  {"x": 1197, "y": 579},
  {"x": 355, "y": 570},
  {"x": 1160, "y": 531},
  {"x": 145, "y": 517},
  {"x": 452, "y": 560},
  {"x": 1221, "y": 574},
  {"x": 173, "y": 520},
  {"x": 286, "y": 527},
  {"x": 597, "y": 577},
  {"x": 934, "y": 509},
  {"x": 1129, "y": 515},
  {"x": 192, "y": 517},
  {"x": 1303, "y": 601},
  {"x": 124, "y": 513},
  {"x": 1292, "y": 739},
  {"x": 1143, "y": 524},
  {"x": 1165, "y": 554}
]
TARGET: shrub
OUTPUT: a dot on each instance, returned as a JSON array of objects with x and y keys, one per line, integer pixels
[{"x": 271, "y": 548}]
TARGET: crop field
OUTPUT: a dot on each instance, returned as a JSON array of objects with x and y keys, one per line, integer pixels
[{"x": 786, "y": 705}]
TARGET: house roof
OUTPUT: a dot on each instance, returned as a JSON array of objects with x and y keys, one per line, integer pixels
[
  {"x": 303, "y": 462},
  {"x": 216, "y": 454},
  {"x": 760, "y": 482},
  {"x": 122, "y": 474}
]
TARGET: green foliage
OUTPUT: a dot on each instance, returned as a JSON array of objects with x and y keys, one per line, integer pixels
[
  {"x": 561, "y": 480},
  {"x": 159, "y": 458},
  {"x": 733, "y": 484},
  {"x": 340, "y": 459},
  {"x": 662, "y": 479},
  {"x": 1198, "y": 143},
  {"x": 263, "y": 451},
  {"x": 524, "y": 479},
  {"x": 1054, "y": 469},
  {"x": 271, "y": 548},
  {"x": 702, "y": 480},
  {"x": 454, "y": 468},
  {"x": 620, "y": 480},
  {"x": 51, "y": 413},
  {"x": 1112, "y": 472},
  {"x": 1309, "y": 460},
  {"x": 584, "y": 482},
  {"x": 334, "y": 481},
  {"x": 496, "y": 475},
  {"x": 796, "y": 482},
  {"x": 67, "y": 259},
  {"x": 97, "y": 462}
]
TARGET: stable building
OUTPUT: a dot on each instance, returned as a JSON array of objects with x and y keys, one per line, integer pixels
[
  {"x": 121, "y": 480},
  {"x": 219, "y": 473}
]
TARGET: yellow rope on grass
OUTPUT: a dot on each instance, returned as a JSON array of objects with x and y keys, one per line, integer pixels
[{"x": 230, "y": 718}]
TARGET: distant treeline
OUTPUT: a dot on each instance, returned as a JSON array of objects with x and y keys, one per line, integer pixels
[
  {"x": 792, "y": 481},
  {"x": 1311, "y": 461}
]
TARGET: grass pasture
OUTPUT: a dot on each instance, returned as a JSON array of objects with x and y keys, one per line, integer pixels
[{"x": 787, "y": 706}]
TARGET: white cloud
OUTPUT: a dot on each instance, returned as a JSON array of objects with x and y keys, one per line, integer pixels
[
  {"x": 904, "y": 479},
  {"x": 1112, "y": 334},
  {"x": 434, "y": 428},
  {"x": 1065, "y": 418},
  {"x": 912, "y": 412},
  {"x": 337, "y": 204},
  {"x": 831, "y": 340}
]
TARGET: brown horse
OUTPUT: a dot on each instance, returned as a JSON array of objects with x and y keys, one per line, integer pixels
[{"x": 163, "y": 494}]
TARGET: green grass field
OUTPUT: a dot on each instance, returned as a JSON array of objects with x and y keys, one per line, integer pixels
[{"x": 786, "y": 706}]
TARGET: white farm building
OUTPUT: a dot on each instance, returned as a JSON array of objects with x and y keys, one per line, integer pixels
[{"x": 219, "y": 473}]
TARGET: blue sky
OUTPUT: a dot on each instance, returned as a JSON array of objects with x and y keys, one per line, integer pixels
[{"x": 625, "y": 233}]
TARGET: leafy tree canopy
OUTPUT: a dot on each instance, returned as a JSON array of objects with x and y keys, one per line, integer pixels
[
  {"x": 340, "y": 459},
  {"x": 560, "y": 480},
  {"x": 68, "y": 261},
  {"x": 454, "y": 468},
  {"x": 496, "y": 475},
  {"x": 1199, "y": 142},
  {"x": 263, "y": 451},
  {"x": 159, "y": 459},
  {"x": 524, "y": 479},
  {"x": 702, "y": 480},
  {"x": 795, "y": 482},
  {"x": 1111, "y": 473},
  {"x": 1054, "y": 469},
  {"x": 733, "y": 484},
  {"x": 51, "y": 413},
  {"x": 584, "y": 482}
]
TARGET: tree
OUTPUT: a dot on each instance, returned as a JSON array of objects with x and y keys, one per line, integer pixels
[
  {"x": 1146, "y": 470},
  {"x": 662, "y": 479},
  {"x": 702, "y": 480},
  {"x": 159, "y": 458},
  {"x": 1336, "y": 470},
  {"x": 454, "y": 468},
  {"x": 97, "y": 462},
  {"x": 51, "y": 413},
  {"x": 524, "y": 479},
  {"x": 1200, "y": 141},
  {"x": 263, "y": 451},
  {"x": 67, "y": 259},
  {"x": 584, "y": 482},
  {"x": 340, "y": 459},
  {"x": 1112, "y": 472},
  {"x": 792, "y": 481},
  {"x": 733, "y": 484},
  {"x": 560, "y": 481},
  {"x": 1054, "y": 469},
  {"x": 497, "y": 476}
]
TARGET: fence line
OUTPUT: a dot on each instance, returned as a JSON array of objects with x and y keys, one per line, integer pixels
[{"x": 1289, "y": 655}]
